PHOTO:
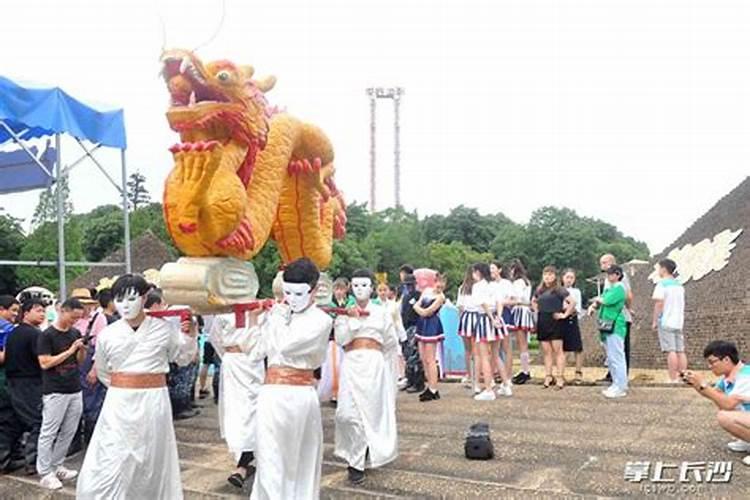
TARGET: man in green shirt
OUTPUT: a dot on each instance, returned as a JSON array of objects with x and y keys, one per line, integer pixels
[{"x": 613, "y": 329}]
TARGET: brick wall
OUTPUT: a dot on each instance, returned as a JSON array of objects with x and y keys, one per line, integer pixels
[{"x": 717, "y": 306}]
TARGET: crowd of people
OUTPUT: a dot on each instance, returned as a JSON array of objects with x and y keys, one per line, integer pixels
[
  {"x": 106, "y": 372},
  {"x": 145, "y": 365}
]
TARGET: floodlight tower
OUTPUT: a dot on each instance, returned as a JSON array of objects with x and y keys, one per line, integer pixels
[{"x": 394, "y": 94}]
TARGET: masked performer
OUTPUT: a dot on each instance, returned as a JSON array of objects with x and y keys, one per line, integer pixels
[
  {"x": 289, "y": 432},
  {"x": 133, "y": 451},
  {"x": 241, "y": 378},
  {"x": 366, "y": 414}
]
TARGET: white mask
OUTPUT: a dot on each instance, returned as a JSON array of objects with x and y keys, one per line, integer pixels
[
  {"x": 297, "y": 295},
  {"x": 362, "y": 288},
  {"x": 129, "y": 306}
]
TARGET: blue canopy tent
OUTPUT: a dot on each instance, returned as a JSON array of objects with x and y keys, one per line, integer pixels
[{"x": 29, "y": 111}]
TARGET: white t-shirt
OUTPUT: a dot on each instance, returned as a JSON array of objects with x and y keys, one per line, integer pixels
[
  {"x": 501, "y": 290},
  {"x": 575, "y": 294},
  {"x": 672, "y": 293},
  {"x": 480, "y": 294},
  {"x": 740, "y": 388},
  {"x": 522, "y": 292}
]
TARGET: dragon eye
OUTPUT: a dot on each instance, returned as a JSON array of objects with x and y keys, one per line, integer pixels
[{"x": 223, "y": 76}]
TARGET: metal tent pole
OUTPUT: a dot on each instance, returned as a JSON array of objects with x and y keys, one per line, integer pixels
[
  {"x": 125, "y": 214},
  {"x": 397, "y": 147},
  {"x": 60, "y": 221},
  {"x": 371, "y": 92}
]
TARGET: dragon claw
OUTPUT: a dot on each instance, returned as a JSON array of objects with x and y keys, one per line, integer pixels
[
  {"x": 304, "y": 166},
  {"x": 241, "y": 238}
]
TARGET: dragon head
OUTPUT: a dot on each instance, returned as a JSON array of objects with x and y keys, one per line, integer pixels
[{"x": 217, "y": 101}]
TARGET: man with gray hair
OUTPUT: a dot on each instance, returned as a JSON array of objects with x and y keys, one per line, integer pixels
[{"x": 605, "y": 262}]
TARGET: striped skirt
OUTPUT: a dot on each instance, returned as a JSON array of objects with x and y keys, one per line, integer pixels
[
  {"x": 502, "y": 332},
  {"x": 523, "y": 319},
  {"x": 476, "y": 325}
]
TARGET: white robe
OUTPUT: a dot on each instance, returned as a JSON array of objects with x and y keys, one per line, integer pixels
[
  {"x": 241, "y": 379},
  {"x": 133, "y": 451},
  {"x": 330, "y": 372},
  {"x": 289, "y": 446},
  {"x": 366, "y": 412}
]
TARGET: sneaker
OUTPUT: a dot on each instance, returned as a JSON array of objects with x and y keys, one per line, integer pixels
[
  {"x": 64, "y": 474},
  {"x": 402, "y": 383},
  {"x": 50, "y": 482},
  {"x": 414, "y": 389},
  {"x": 612, "y": 392},
  {"x": 356, "y": 476},
  {"x": 477, "y": 390},
  {"x": 466, "y": 382},
  {"x": 504, "y": 390},
  {"x": 428, "y": 395},
  {"x": 485, "y": 395},
  {"x": 187, "y": 414},
  {"x": 739, "y": 446},
  {"x": 521, "y": 378}
]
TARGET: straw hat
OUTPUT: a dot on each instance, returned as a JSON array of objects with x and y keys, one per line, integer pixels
[{"x": 84, "y": 295}]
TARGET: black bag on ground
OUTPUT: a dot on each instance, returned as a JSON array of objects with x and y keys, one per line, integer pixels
[{"x": 478, "y": 444}]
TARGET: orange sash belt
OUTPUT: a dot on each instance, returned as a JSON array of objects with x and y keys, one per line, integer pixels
[
  {"x": 138, "y": 380},
  {"x": 283, "y": 375},
  {"x": 363, "y": 343}
]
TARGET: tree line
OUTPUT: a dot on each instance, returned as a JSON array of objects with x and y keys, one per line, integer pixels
[{"x": 382, "y": 241}]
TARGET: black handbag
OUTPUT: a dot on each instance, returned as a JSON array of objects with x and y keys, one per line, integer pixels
[
  {"x": 478, "y": 444},
  {"x": 607, "y": 325}
]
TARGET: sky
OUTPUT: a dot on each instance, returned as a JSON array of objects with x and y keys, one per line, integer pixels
[{"x": 636, "y": 112}]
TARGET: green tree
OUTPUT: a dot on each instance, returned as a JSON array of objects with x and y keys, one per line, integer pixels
[
  {"x": 46, "y": 208},
  {"x": 452, "y": 259},
  {"x": 102, "y": 236},
  {"x": 11, "y": 241},
  {"x": 395, "y": 239},
  {"x": 138, "y": 195},
  {"x": 347, "y": 258},
  {"x": 41, "y": 244}
]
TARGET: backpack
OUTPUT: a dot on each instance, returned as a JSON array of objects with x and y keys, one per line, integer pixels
[{"x": 478, "y": 444}]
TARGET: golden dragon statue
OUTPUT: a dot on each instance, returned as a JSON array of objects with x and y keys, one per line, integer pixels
[{"x": 245, "y": 171}]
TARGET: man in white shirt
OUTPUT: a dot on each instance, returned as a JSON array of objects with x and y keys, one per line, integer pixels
[
  {"x": 731, "y": 394},
  {"x": 669, "y": 318}
]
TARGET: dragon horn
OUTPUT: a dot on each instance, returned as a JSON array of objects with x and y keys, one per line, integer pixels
[
  {"x": 247, "y": 71},
  {"x": 266, "y": 83}
]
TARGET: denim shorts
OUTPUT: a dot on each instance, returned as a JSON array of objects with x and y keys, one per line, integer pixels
[{"x": 671, "y": 340}]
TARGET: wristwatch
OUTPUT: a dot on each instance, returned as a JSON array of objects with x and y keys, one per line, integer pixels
[{"x": 704, "y": 385}]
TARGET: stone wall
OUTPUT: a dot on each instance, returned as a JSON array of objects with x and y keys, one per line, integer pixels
[{"x": 717, "y": 305}]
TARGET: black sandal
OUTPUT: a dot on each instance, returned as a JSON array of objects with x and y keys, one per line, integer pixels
[{"x": 237, "y": 480}]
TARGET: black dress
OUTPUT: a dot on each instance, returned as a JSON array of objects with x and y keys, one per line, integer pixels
[{"x": 550, "y": 302}]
